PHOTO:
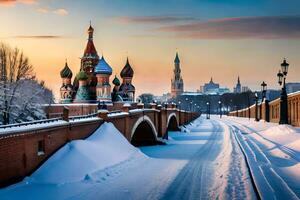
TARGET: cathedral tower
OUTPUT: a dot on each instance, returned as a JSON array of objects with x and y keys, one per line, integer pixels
[
  {"x": 238, "y": 87},
  {"x": 103, "y": 89},
  {"x": 176, "y": 82},
  {"x": 127, "y": 90},
  {"x": 89, "y": 60},
  {"x": 66, "y": 90}
]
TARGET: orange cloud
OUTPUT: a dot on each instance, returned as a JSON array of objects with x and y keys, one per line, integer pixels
[
  {"x": 39, "y": 36},
  {"x": 61, "y": 11},
  {"x": 11, "y": 3},
  {"x": 42, "y": 10},
  {"x": 153, "y": 19}
]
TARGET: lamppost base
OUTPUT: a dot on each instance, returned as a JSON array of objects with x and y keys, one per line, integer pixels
[{"x": 283, "y": 107}]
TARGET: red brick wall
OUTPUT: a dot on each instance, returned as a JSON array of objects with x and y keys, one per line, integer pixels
[
  {"x": 18, "y": 154},
  {"x": 54, "y": 111}
]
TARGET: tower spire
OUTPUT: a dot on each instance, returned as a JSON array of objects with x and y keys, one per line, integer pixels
[
  {"x": 177, "y": 60},
  {"x": 91, "y": 31}
]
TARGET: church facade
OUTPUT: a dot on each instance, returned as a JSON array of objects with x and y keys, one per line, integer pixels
[
  {"x": 92, "y": 82},
  {"x": 177, "y": 81}
]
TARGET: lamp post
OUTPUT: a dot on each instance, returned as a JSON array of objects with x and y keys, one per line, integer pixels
[
  {"x": 191, "y": 105},
  {"x": 208, "y": 111},
  {"x": 166, "y": 105},
  {"x": 179, "y": 102},
  {"x": 256, "y": 108},
  {"x": 263, "y": 95},
  {"x": 220, "y": 107},
  {"x": 187, "y": 99},
  {"x": 283, "y": 97},
  {"x": 195, "y": 107}
]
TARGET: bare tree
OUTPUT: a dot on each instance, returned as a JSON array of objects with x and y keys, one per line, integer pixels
[{"x": 16, "y": 75}]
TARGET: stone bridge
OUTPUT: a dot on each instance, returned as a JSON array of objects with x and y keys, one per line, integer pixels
[{"x": 23, "y": 148}]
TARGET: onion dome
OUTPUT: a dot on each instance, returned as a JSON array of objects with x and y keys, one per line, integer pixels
[
  {"x": 66, "y": 72},
  {"x": 82, "y": 76},
  {"x": 103, "y": 67},
  {"x": 127, "y": 71},
  {"x": 177, "y": 58},
  {"x": 116, "y": 81}
]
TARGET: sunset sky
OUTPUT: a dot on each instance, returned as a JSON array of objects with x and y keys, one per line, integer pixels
[{"x": 218, "y": 38}]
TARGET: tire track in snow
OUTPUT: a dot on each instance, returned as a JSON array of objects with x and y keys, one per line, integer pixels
[
  {"x": 269, "y": 184},
  {"x": 193, "y": 181},
  {"x": 232, "y": 176}
]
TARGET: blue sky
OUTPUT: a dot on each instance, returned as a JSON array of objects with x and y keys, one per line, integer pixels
[{"x": 216, "y": 38}]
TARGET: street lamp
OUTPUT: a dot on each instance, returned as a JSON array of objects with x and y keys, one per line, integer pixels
[
  {"x": 283, "y": 96},
  {"x": 191, "y": 105},
  {"x": 220, "y": 107},
  {"x": 263, "y": 95},
  {"x": 208, "y": 111},
  {"x": 195, "y": 107},
  {"x": 256, "y": 108},
  {"x": 166, "y": 105},
  {"x": 179, "y": 102},
  {"x": 187, "y": 99}
]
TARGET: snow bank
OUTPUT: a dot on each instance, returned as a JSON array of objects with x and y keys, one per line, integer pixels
[
  {"x": 280, "y": 130},
  {"x": 282, "y": 135},
  {"x": 80, "y": 159},
  {"x": 273, "y": 153}
]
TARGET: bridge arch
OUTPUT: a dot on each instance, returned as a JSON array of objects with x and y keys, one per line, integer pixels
[
  {"x": 172, "y": 124},
  {"x": 143, "y": 132}
]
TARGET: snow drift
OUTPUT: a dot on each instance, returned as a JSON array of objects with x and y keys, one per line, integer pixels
[{"x": 80, "y": 159}]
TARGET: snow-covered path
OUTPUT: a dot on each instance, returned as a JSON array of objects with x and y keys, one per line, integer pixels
[
  {"x": 204, "y": 161},
  {"x": 273, "y": 154}
]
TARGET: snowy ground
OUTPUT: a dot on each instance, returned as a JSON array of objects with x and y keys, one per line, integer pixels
[
  {"x": 203, "y": 161},
  {"x": 273, "y": 153}
]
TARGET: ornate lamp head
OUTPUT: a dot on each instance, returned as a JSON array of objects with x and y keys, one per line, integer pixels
[
  {"x": 263, "y": 86},
  {"x": 280, "y": 77},
  {"x": 284, "y": 67}
]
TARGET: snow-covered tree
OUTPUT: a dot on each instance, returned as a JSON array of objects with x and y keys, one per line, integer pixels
[
  {"x": 146, "y": 98},
  {"x": 21, "y": 95}
]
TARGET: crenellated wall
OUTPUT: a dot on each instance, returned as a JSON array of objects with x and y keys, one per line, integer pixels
[
  {"x": 270, "y": 111},
  {"x": 24, "y": 148}
]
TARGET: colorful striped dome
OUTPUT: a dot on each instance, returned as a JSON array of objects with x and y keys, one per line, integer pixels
[
  {"x": 127, "y": 71},
  {"x": 66, "y": 72},
  {"x": 103, "y": 67}
]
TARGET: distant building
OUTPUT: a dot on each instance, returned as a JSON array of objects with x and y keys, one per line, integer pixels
[
  {"x": 163, "y": 98},
  {"x": 246, "y": 89},
  {"x": 238, "y": 87},
  {"x": 292, "y": 87},
  {"x": 211, "y": 86},
  {"x": 177, "y": 81}
]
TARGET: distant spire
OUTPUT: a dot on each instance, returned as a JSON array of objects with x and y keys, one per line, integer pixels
[
  {"x": 211, "y": 80},
  {"x": 177, "y": 60},
  {"x": 91, "y": 31},
  {"x": 239, "y": 80}
]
